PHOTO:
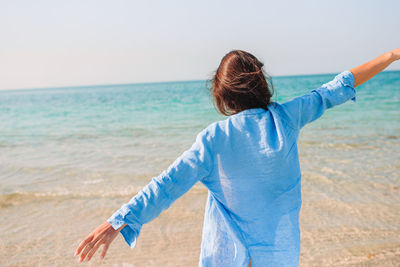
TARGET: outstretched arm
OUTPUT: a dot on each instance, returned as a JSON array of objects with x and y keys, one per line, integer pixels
[
  {"x": 192, "y": 166},
  {"x": 309, "y": 107},
  {"x": 368, "y": 70}
]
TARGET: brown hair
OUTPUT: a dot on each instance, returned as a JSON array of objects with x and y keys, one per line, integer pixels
[{"x": 240, "y": 83}]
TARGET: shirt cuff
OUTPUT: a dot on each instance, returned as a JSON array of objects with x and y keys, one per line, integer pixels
[
  {"x": 131, "y": 231},
  {"x": 347, "y": 79}
]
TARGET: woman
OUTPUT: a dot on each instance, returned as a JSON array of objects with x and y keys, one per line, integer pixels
[{"x": 249, "y": 164}]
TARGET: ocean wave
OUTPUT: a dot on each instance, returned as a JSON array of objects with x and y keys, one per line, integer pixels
[{"x": 22, "y": 198}]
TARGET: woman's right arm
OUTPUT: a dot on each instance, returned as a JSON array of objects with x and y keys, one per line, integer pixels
[
  {"x": 368, "y": 70},
  {"x": 192, "y": 166}
]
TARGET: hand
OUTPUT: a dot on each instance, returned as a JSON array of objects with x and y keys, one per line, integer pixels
[
  {"x": 396, "y": 53},
  {"x": 103, "y": 234}
]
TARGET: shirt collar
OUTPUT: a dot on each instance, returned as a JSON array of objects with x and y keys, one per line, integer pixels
[{"x": 252, "y": 111}]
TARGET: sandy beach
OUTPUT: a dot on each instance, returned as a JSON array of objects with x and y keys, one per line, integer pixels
[{"x": 173, "y": 239}]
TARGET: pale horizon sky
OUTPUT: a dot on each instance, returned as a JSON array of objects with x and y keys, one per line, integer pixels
[{"x": 48, "y": 43}]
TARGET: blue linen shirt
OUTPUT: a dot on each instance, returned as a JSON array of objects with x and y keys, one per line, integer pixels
[{"x": 249, "y": 163}]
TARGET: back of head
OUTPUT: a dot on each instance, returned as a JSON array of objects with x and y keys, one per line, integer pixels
[{"x": 240, "y": 83}]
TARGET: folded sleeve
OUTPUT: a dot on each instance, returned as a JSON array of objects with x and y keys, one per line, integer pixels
[
  {"x": 193, "y": 165},
  {"x": 309, "y": 107}
]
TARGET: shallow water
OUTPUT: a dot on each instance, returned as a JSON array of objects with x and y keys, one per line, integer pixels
[{"x": 69, "y": 157}]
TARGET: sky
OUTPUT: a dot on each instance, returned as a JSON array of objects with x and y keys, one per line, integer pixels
[{"x": 91, "y": 42}]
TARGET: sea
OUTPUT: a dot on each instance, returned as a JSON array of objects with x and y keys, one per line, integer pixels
[{"x": 71, "y": 156}]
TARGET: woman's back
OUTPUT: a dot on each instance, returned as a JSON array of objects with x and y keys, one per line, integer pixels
[
  {"x": 254, "y": 151},
  {"x": 255, "y": 194}
]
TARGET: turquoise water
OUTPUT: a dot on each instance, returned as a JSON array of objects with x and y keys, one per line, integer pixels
[
  {"x": 63, "y": 146},
  {"x": 90, "y": 134}
]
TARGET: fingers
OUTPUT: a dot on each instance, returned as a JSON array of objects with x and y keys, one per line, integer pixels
[
  {"x": 83, "y": 244},
  {"x": 93, "y": 250},
  {"x": 105, "y": 248},
  {"x": 104, "y": 234},
  {"x": 85, "y": 251}
]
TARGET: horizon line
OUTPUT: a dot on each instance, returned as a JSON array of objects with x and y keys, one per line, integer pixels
[{"x": 157, "y": 82}]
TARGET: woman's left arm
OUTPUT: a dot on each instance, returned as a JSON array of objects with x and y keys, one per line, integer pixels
[
  {"x": 309, "y": 107},
  {"x": 366, "y": 71},
  {"x": 194, "y": 164}
]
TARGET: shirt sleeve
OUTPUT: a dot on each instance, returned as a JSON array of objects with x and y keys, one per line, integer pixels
[
  {"x": 193, "y": 165},
  {"x": 309, "y": 107}
]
